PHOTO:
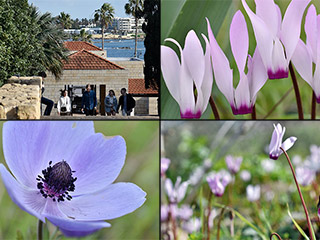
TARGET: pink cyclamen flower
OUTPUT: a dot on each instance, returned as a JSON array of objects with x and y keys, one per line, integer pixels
[
  {"x": 193, "y": 70},
  {"x": 276, "y": 142},
  {"x": 177, "y": 192},
  {"x": 233, "y": 163},
  {"x": 244, "y": 96},
  {"x": 308, "y": 54},
  {"x": 64, "y": 172},
  {"x": 217, "y": 184},
  {"x": 165, "y": 162},
  {"x": 276, "y": 38},
  {"x": 253, "y": 193}
]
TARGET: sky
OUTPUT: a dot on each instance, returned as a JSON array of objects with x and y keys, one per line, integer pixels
[{"x": 78, "y": 8}]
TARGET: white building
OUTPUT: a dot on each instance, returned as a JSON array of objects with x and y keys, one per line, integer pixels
[{"x": 126, "y": 25}]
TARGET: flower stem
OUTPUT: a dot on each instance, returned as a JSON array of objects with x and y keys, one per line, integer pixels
[
  {"x": 208, "y": 217},
  {"x": 296, "y": 90},
  {"x": 214, "y": 108},
  {"x": 254, "y": 114},
  {"x": 40, "y": 225},
  {"x": 300, "y": 194},
  {"x": 173, "y": 222},
  {"x": 313, "y": 106},
  {"x": 275, "y": 234},
  {"x": 219, "y": 223}
]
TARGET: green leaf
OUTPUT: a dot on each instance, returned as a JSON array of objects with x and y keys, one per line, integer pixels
[
  {"x": 297, "y": 225},
  {"x": 242, "y": 218},
  {"x": 178, "y": 18}
]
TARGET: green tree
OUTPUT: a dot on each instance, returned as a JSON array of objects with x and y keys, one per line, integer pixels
[
  {"x": 104, "y": 15},
  {"x": 29, "y": 42},
  {"x": 135, "y": 8},
  {"x": 84, "y": 36},
  {"x": 64, "y": 20}
]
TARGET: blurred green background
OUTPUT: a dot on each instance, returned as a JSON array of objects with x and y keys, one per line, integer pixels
[
  {"x": 178, "y": 17},
  {"x": 188, "y": 144},
  {"x": 141, "y": 168}
]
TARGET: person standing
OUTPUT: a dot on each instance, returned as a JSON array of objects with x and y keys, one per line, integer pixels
[
  {"x": 126, "y": 102},
  {"x": 111, "y": 103},
  {"x": 89, "y": 101},
  {"x": 45, "y": 101},
  {"x": 64, "y": 103}
]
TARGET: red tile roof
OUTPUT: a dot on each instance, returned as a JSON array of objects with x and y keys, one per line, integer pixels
[
  {"x": 85, "y": 60},
  {"x": 137, "y": 87},
  {"x": 79, "y": 45}
]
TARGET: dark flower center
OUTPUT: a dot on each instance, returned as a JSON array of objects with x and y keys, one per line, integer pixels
[{"x": 57, "y": 181}]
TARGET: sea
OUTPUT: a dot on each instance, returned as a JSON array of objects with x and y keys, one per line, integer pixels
[{"x": 123, "y": 48}]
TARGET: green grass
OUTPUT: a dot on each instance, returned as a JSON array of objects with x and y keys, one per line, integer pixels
[{"x": 141, "y": 168}]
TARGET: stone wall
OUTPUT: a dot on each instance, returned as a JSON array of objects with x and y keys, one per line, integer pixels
[
  {"x": 146, "y": 106},
  {"x": 20, "y": 98},
  {"x": 135, "y": 68}
]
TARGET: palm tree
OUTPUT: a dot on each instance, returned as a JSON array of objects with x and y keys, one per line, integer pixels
[
  {"x": 51, "y": 37},
  {"x": 135, "y": 8},
  {"x": 104, "y": 15},
  {"x": 84, "y": 36},
  {"x": 65, "y": 20}
]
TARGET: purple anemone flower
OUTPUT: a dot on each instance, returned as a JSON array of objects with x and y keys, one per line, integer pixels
[
  {"x": 244, "y": 96},
  {"x": 276, "y": 38},
  {"x": 64, "y": 172},
  {"x": 233, "y": 163},
  {"x": 276, "y": 142},
  {"x": 194, "y": 69},
  {"x": 306, "y": 55}
]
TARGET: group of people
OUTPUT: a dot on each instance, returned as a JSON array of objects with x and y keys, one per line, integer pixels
[{"x": 89, "y": 102}]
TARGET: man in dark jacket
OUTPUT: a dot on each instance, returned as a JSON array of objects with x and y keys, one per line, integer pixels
[
  {"x": 89, "y": 101},
  {"x": 126, "y": 102},
  {"x": 49, "y": 103}
]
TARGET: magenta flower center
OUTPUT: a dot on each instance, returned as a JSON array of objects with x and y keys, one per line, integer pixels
[{"x": 57, "y": 181}]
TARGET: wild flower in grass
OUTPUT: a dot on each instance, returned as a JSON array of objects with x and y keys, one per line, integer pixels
[
  {"x": 307, "y": 55},
  {"x": 268, "y": 165},
  {"x": 244, "y": 96},
  {"x": 64, "y": 172},
  {"x": 165, "y": 162},
  {"x": 305, "y": 176},
  {"x": 233, "y": 163},
  {"x": 177, "y": 192},
  {"x": 194, "y": 69},
  {"x": 276, "y": 142},
  {"x": 245, "y": 175},
  {"x": 276, "y": 38},
  {"x": 217, "y": 184},
  {"x": 192, "y": 225},
  {"x": 253, "y": 193}
]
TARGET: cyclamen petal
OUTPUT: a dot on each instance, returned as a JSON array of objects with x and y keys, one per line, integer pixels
[
  {"x": 181, "y": 77},
  {"x": 266, "y": 23},
  {"x": 276, "y": 142},
  {"x": 243, "y": 97}
]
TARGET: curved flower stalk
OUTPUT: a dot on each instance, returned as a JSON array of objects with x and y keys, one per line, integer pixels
[
  {"x": 194, "y": 69},
  {"x": 65, "y": 173},
  {"x": 276, "y": 142},
  {"x": 276, "y": 38},
  {"x": 307, "y": 54},
  {"x": 243, "y": 97}
]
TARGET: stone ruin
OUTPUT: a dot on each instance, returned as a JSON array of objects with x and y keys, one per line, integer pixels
[{"x": 20, "y": 98}]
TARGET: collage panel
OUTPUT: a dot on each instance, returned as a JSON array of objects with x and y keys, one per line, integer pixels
[
  {"x": 89, "y": 180},
  {"x": 71, "y": 59},
  {"x": 242, "y": 59},
  {"x": 240, "y": 180}
]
